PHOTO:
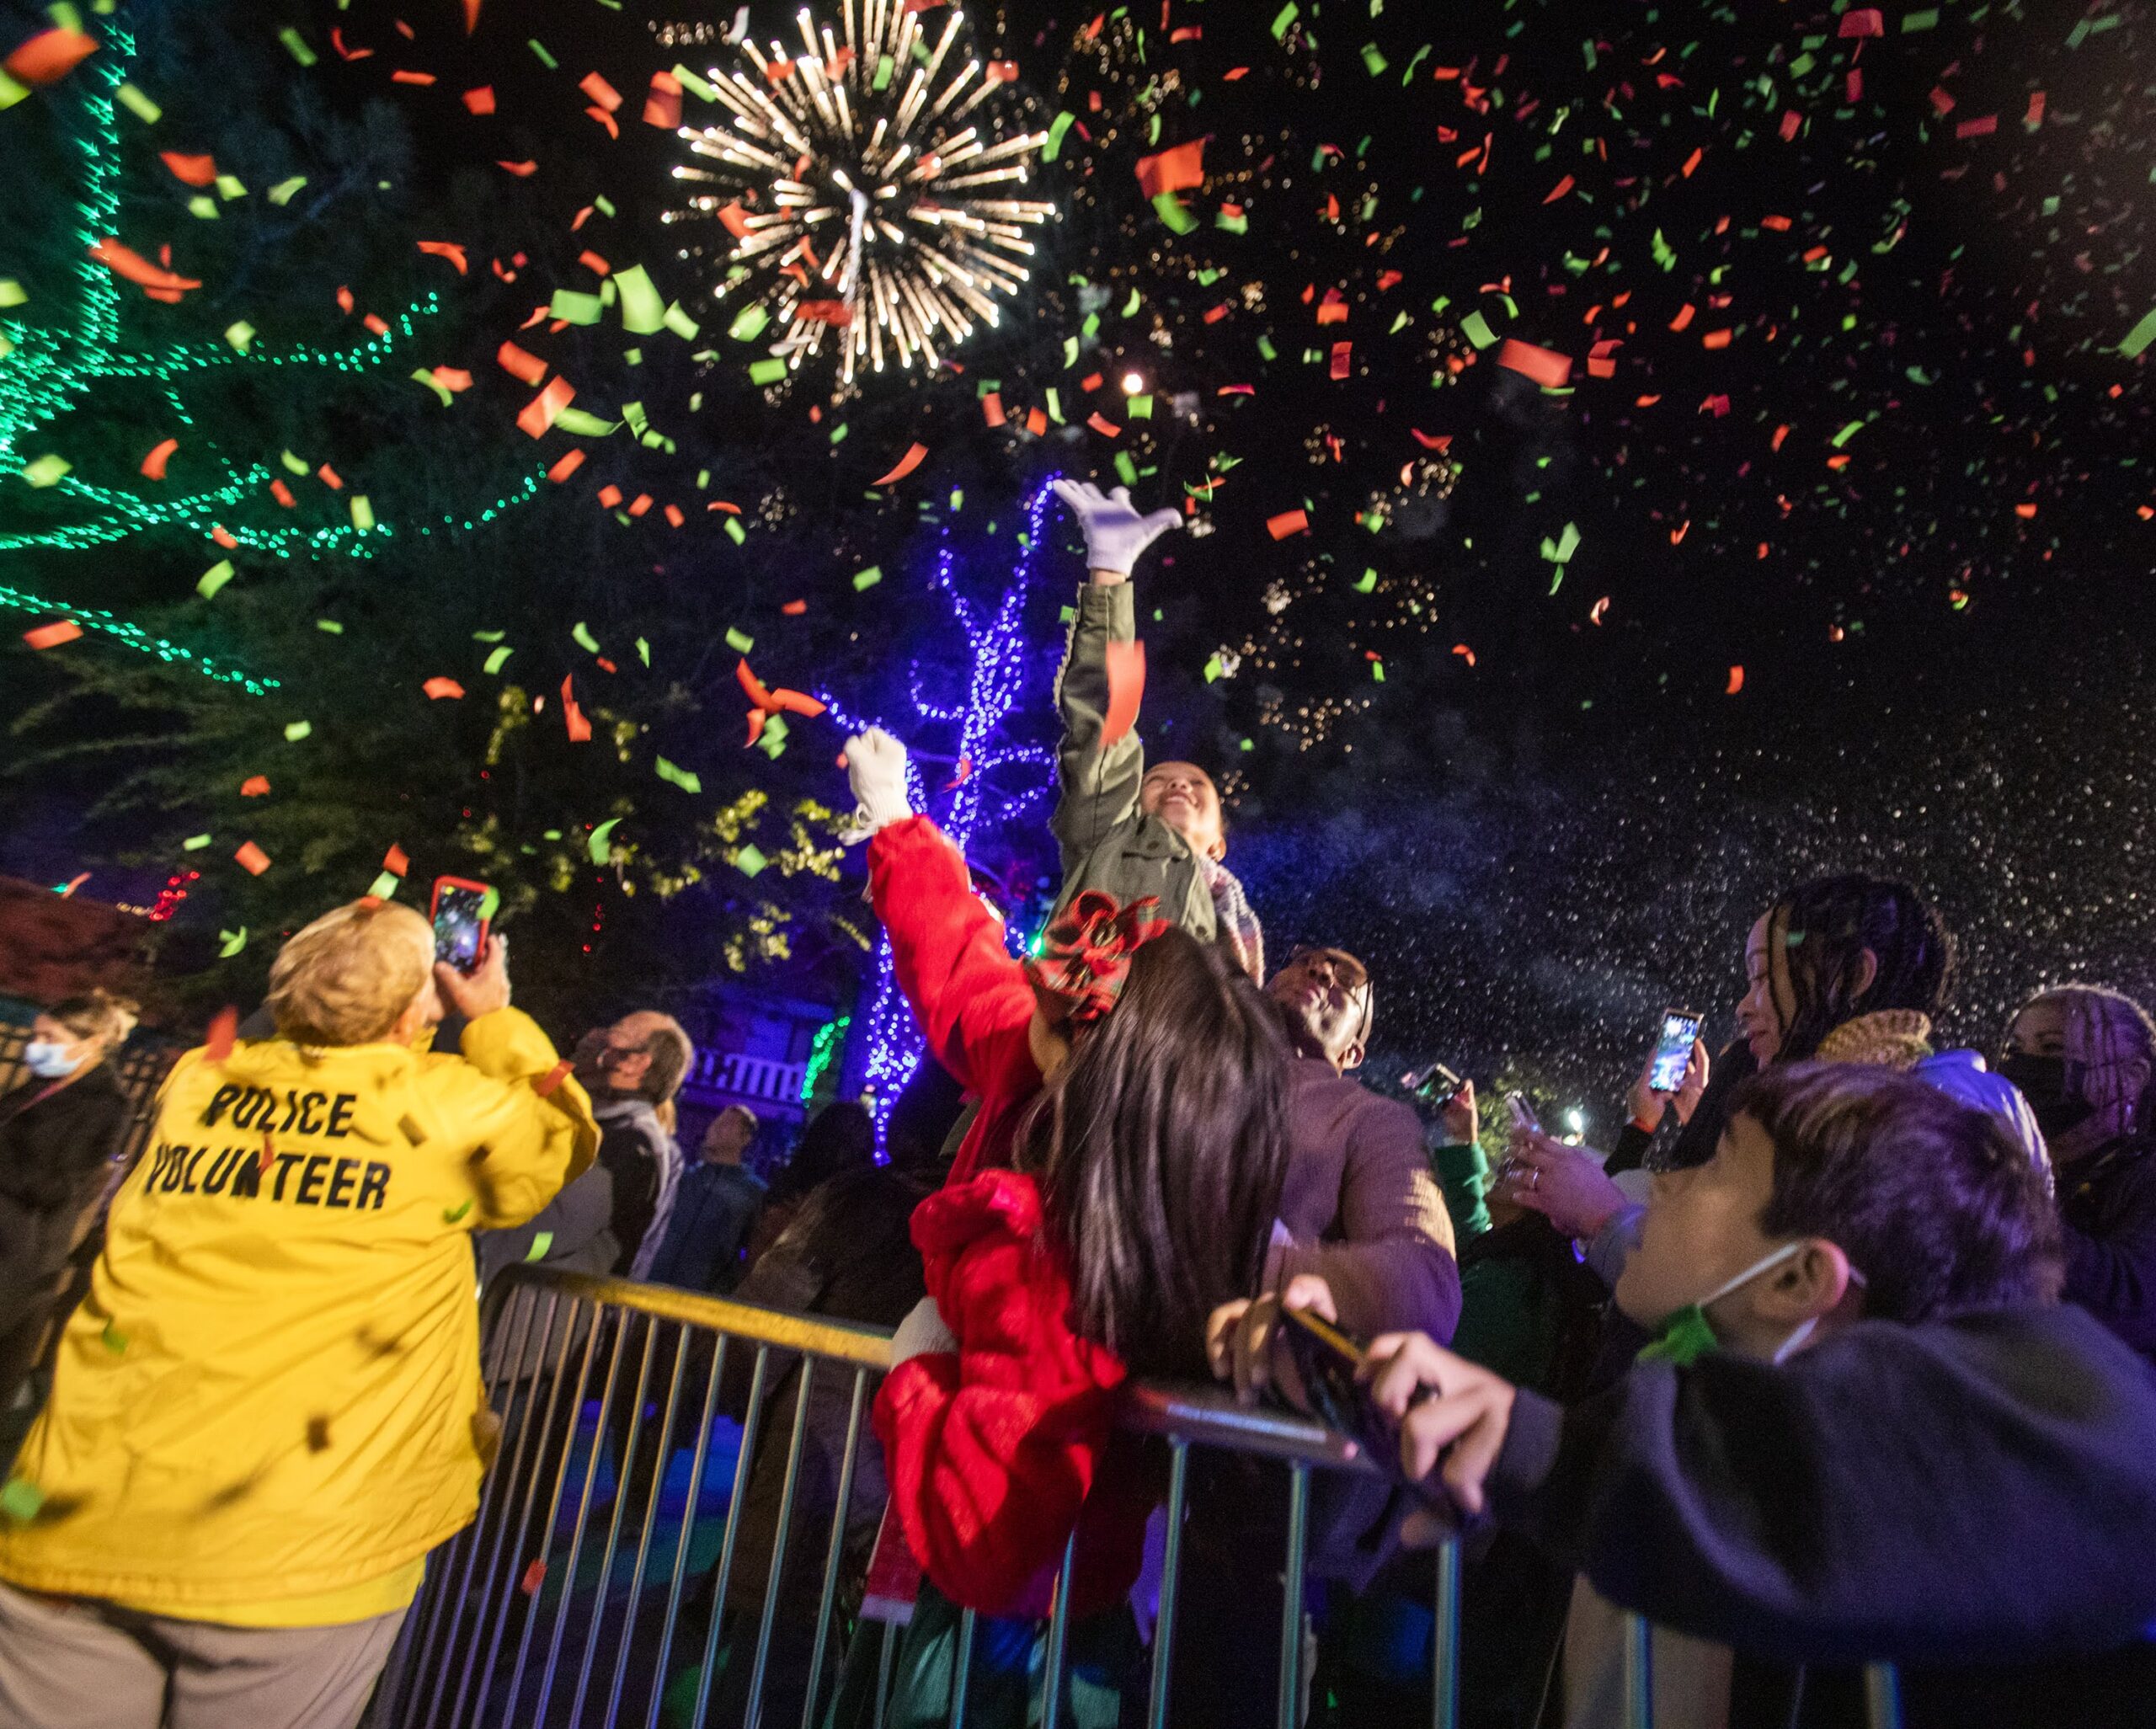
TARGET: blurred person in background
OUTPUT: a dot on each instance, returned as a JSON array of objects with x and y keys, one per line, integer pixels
[
  {"x": 715, "y": 1208},
  {"x": 269, "y": 1409},
  {"x": 58, "y": 1133},
  {"x": 631, "y": 1068},
  {"x": 2085, "y": 1058}
]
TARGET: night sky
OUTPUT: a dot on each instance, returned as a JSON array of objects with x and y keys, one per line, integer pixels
[{"x": 1831, "y": 552}]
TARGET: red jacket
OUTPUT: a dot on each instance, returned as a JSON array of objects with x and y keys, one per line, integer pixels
[
  {"x": 970, "y": 997},
  {"x": 994, "y": 1451}
]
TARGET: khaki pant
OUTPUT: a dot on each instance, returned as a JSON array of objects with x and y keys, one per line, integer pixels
[{"x": 70, "y": 1663}]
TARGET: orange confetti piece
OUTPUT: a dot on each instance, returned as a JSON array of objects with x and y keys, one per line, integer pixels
[
  {"x": 447, "y": 249},
  {"x": 535, "y": 1576},
  {"x": 610, "y": 496},
  {"x": 1685, "y": 314},
  {"x": 1286, "y": 523},
  {"x": 153, "y": 465},
  {"x": 283, "y": 495},
  {"x": 49, "y": 57},
  {"x": 1466, "y": 653},
  {"x": 1559, "y": 190},
  {"x": 121, "y": 262},
  {"x": 437, "y": 688},
  {"x": 600, "y": 91},
  {"x": 906, "y": 465},
  {"x": 569, "y": 463},
  {"x": 481, "y": 100},
  {"x": 1545, "y": 366},
  {"x": 1126, "y": 669},
  {"x": 451, "y": 378},
  {"x": 794, "y": 609},
  {"x": 662, "y": 104},
  {"x": 525, "y": 367},
  {"x": 405, "y": 77},
  {"x": 522, "y": 170},
  {"x": 2025, "y": 511},
  {"x": 375, "y": 323},
  {"x": 1717, "y": 338},
  {"x": 51, "y": 636},
  {"x": 217, "y": 1039},
  {"x": 472, "y": 16},
  {"x": 251, "y": 858},
  {"x": 580, "y": 729},
  {"x": 592, "y": 262},
  {"x": 1107, "y": 429},
  {"x": 539, "y": 412},
  {"x": 544, "y": 1085},
  {"x": 190, "y": 170},
  {"x": 1176, "y": 169},
  {"x": 1736, "y": 681},
  {"x": 991, "y": 408},
  {"x": 396, "y": 861},
  {"x": 254, "y": 787}
]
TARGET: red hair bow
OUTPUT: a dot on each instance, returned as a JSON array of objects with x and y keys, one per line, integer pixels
[{"x": 1084, "y": 955}]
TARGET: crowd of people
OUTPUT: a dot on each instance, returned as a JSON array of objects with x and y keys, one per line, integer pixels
[{"x": 1840, "y": 1355}]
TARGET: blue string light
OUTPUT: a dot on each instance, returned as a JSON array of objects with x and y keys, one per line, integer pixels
[{"x": 995, "y": 682}]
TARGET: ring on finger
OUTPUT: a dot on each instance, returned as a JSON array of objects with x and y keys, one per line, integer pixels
[{"x": 1533, "y": 1178}]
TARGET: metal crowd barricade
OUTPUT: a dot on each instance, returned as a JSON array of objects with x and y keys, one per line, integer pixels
[{"x": 517, "y": 1628}]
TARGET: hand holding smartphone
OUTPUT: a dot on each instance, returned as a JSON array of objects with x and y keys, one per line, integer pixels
[
  {"x": 461, "y": 915},
  {"x": 1672, "y": 1049}
]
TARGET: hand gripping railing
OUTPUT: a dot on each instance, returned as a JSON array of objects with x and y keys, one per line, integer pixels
[{"x": 534, "y": 1617}]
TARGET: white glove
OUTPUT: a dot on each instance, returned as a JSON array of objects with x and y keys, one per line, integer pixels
[
  {"x": 1115, "y": 533},
  {"x": 922, "y": 1333},
  {"x": 875, "y": 769}
]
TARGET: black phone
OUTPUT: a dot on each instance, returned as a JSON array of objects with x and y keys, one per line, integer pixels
[
  {"x": 1433, "y": 1083},
  {"x": 461, "y": 918},
  {"x": 1672, "y": 1049}
]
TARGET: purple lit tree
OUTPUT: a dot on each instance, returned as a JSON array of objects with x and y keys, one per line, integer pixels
[{"x": 987, "y": 789}]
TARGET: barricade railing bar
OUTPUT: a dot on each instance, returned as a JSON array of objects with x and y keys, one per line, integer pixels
[{"x": 571, "y": 1599}]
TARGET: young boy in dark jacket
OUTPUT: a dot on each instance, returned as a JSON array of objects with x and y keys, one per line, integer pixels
[{"x": 1867, "y": 1432}]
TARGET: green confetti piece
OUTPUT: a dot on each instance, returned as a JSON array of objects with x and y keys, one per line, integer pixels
[
  {"x": 11, "y": 92},
  {"x": 773, "y": 741},
  {"x": 1137, "y": 407},
  {"x": 684, "y": 778},
  {"x": 1367, "y": 581},
  {"x": 572, "y": 308},
  {"x": 12, "y": 293},
  {"x": 231, "y": 942},
  {"x": 496, "y": 658},
  {"x": 1057, "y": 130},
  {"x": 601, "y": 847},
  {"x": 194, "y": 843},
  {"x": 239, "y": 334},
  {"x": 769, "y": 372},
  {"x": 543, "y": 1241},
  {"x": 749, "y": 861},
  {"x": 2140, "y": 336},
  {"x": 21, "y": 1499},
  {"x": 1374, "y": 58},
  {"x": 693, "y": 85},
  {"x": 1377, "y": 671},
  {"x": 297, "y": 730},
  {"x": 748, "y": 323},
  {"x": 47, "y": 471},
  {"x": 602, "y": 203},
  {"x": 684, "y": 327},
  {"x": 293, "y": 465},
  {"x": 1476, "y": 329},
  {"x": 489, "y": 636},
  {"x": 384, "y": 886},
  {"x": 885, "y": 68},
  {"x": 1126, "y": 470},
  {"x": 1846, "y": 434},
  {"x": 642, "y": 313},
  {"x": 546, "y": 59},
  {"x": 362, "y": 513},
  {"x": 1213, "y": 669},
  {"x": 294, "y": 42},
  {"x": 1285, "y": 17},
  {"x": 644, "y": 651},
  {"x": 1265, "y": 348},
  {"x": 735, "y": 532},
  {"x": 114, "y": 1340},
  {"x": 449, "y": 1216},
  {"x": 1233, "y": 224},
  {"x": 867, "y": 579},
  {"x": 139, "y": 105},
  {"x": 740, "y": 641},
  {"x": 423, "y": 375},
  {"x": 281, "y": 193},
  {"x": 579, "y": 424},
  {"x": 329, "y": 626},
  {"x": 1054, "y": 405},
  {"x": 214, "y": 578},
  {"x": 580, "y": 634},
  {"x": 230, "y": 186}
]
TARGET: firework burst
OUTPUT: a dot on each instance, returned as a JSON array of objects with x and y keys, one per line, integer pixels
[{"x": 866, "y": 192}]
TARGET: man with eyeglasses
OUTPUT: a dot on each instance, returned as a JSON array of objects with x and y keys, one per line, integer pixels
[{"x": 1360, "y": 1210}]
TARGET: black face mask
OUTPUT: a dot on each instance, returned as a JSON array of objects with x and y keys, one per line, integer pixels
[{"x": 2042, "y": 1082}]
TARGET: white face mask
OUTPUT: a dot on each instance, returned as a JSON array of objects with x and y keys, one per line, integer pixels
[
  {"x": 1687, "y": 1334},
  {"x": 48, "y": 1061}
]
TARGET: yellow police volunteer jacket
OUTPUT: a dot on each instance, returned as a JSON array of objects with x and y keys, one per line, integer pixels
[{"x": 273, "y": 1389}]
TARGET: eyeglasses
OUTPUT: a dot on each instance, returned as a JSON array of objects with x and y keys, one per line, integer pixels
[{"x": 1348, "y": 973}]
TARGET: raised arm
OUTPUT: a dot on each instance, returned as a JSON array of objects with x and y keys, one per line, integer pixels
[{"x": 1098, "y": 779}]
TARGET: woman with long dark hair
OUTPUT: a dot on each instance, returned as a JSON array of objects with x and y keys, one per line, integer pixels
[{"x": 1137, "y": 1080}]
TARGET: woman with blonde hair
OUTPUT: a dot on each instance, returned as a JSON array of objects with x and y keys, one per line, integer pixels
[
  {"x": 269, "y": 1408},
  {"x": 58, "y": 1130}
]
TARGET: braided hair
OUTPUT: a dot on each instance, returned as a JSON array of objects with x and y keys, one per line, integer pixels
[
  {"x": 1822, "y": 930},
  {"x": 2106, "y": 1032}
]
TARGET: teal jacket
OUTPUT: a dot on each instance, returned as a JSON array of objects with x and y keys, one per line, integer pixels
[{"x": 1108, "y": 841}]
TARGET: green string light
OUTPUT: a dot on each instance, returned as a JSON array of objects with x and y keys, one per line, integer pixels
[{"x": 47, "y": 372}]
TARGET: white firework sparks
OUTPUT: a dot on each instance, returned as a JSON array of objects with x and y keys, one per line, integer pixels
[{"x": 879, "y": 215}]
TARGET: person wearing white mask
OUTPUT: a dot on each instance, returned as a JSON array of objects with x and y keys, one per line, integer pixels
[
  {"x": 1865, "y": 1432},
  {"x": 58, "y": 1131}
]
